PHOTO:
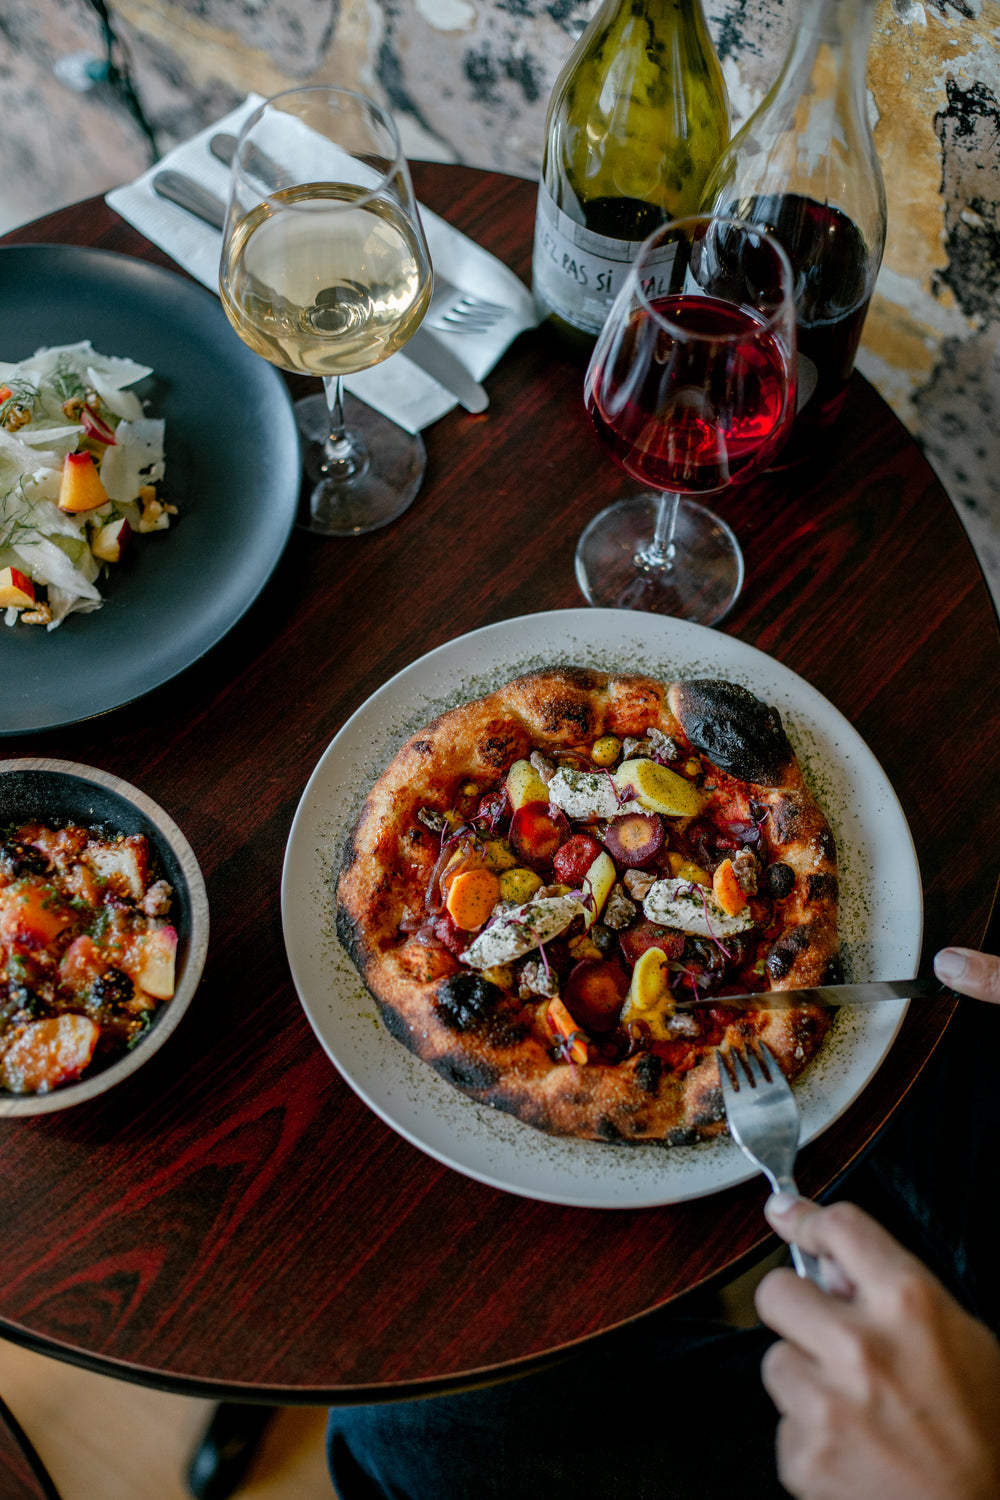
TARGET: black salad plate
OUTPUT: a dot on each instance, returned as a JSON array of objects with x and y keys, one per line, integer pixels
[{"x": 232, "y": 469}]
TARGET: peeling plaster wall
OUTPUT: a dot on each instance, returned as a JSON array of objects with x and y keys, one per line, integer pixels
[{"x": 468, "y": 81}]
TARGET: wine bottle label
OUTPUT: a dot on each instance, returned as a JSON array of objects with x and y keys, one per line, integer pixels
[{"x": 576, "y": 272}]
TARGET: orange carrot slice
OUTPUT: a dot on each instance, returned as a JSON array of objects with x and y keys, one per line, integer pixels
[
  {"x": 727, "y": 890},
  {"x": 563, "y": 1026},
  {"x": 472, "y": 896}
]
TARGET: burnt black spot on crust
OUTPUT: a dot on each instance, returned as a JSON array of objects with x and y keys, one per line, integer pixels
[
  {"x": 468, "y": 1004},
  {"x": 779, "y": 881},
  {"x": 710, "y": 1108},
  {"x": 647, "y": 1072},
  {"x": 834, "y": 971},
  {"x": 821, "y": 888},
  {"x": 568, "y": 715},
  {"x": 396, "y": 1026},
  {"x": 467, "y": 1074},
  {"x": 680, "y": 1135},
  {"x": 787, "y": 820},
  {"x": 500, "y": 744},
  {"x": 607, "y": 1130},
  {"x": 351, "y": 939},
  {"x": 786, "y": 950},
  {"x": 423, "y": 747},
  {"x": 739, "y": 734}
]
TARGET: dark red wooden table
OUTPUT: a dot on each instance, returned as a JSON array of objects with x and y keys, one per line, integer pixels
[{"x": 232, "y": 1220}]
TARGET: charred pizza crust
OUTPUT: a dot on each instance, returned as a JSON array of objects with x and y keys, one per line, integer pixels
[{"x": 487, "y": 1041}]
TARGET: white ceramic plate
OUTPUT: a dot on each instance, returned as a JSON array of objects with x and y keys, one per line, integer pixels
[{"x": 881, "y": 905}]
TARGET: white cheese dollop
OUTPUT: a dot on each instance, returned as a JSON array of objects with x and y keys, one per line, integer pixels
[
  {"x": 692, "y": 908},
  {"x": 587, "y": 795},
  {"x": 521, "y": 929}
]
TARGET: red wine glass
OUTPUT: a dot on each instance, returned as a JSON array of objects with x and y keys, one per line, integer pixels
[{"x": 691, "y": 387}]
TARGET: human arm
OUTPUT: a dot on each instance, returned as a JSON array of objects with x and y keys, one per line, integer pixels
[{"x": 890, "y": 1394}]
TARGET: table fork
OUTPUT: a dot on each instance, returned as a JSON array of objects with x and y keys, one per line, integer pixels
[
  {"x": 764, "y": 1122},
  {"x": 452, "y": 310}
]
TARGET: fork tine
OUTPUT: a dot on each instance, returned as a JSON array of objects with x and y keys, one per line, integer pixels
[{"x": 755, "y": 1060}]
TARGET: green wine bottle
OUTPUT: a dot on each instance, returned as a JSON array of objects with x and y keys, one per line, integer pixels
[{"x": 638, "y": 117}]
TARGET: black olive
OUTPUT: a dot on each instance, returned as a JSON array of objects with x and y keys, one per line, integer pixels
[{"x": 779, "y": 881}]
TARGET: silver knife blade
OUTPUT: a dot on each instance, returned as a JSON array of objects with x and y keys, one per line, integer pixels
[
  {"x": 424, "y": 347},
  {"x": 268, "y": 173},
  {"x": 223, "y": 147},
  {"x": 190, "y": 195},
  {"x": 436, "y": 360},
  {"x": 831, "y": 995}
]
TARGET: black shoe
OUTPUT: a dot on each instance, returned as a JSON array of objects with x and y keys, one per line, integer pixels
[{"x": 229, "y": 1443}]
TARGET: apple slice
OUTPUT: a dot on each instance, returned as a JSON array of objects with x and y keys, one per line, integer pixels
[
  {"x": 16, "y": 589},
  {"x": 30, "y": 915},
  {"x": 155, "y": 973},
  {"x": 122, "y": 864},
  {"x": 49, "y": 1053},
  {"x": 81, "y": 487},
  {"x": 110, "y": 542}
]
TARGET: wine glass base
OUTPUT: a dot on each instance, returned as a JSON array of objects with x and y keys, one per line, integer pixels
[
  {"x": 702, "y": 581},
  {"x": 381, "y": 491}
]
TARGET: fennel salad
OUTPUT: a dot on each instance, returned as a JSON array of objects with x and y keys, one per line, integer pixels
[{"x": 80, "y": 462}]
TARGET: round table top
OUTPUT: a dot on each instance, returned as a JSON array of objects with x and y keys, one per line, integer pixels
[{"x": 233, "y": 1219}]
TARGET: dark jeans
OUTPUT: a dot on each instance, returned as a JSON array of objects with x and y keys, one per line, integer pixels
[{"x": 676, "y": 1408}]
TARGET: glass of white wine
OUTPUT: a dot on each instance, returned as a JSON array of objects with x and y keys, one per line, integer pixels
[{"x": 325, "y": 271}]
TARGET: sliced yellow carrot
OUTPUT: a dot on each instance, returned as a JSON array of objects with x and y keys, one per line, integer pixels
[
  {"x": 727, "y": 890},
  {"x": 472, "y": 895},
  {"x": 686, "y": 869}
]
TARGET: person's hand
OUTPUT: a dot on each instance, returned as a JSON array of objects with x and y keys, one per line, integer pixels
[
  {"x": 892, "y": 1393},
  {"x": 969, "y": 972}
]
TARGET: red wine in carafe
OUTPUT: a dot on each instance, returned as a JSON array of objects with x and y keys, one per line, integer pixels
[
  {"x": 805, "y": 163},
  {"x": 705, "y": 412},
  {"x": 832, "y": 291}
]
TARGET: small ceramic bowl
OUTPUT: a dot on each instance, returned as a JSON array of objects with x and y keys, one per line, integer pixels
[{"x": 59, "y": 792}]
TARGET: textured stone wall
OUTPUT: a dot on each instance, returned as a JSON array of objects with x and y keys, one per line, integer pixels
[{"x": 468, "y": 81}]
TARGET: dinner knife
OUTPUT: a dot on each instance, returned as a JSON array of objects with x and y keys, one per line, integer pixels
[
  {"x": 424, "y": 347},
  {"x": 831, "y": 995}
]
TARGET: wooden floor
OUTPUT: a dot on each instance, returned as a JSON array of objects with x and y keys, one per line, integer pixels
[{"x": 104, "y": 1439}]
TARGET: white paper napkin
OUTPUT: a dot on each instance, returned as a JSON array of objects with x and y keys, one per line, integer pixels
[{"x": 398, "y": 388}]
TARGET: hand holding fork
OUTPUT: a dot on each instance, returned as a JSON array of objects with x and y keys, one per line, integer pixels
[{"x": 764, "y": 1122}]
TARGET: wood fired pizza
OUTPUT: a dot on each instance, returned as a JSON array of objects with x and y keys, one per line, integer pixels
[{"x": 543, "y": 879}]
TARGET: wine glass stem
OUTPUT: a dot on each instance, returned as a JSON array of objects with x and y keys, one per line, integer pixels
[
  {"x": 659, "y": 553},
  {"x": 345, "y": 454}
]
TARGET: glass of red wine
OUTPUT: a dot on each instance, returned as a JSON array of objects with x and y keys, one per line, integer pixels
[{"x": 691, "y": 387}]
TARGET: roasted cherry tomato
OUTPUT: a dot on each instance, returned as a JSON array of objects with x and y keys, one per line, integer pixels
[
  {"x": 644, "y": 934},
  {"x": 574, "y": 858},
  {"x": 595, "y": 993},
  {"x": 536, "y": 831},
  {"x": 493, "y": 809}
]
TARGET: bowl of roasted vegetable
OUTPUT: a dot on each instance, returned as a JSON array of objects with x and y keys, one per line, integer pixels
[{"x": 103, "y": 932}]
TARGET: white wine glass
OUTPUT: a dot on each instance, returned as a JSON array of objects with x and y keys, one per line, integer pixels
[
  {"x": 325, "y": 271},
  {"x": 691, "y": 388}
]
